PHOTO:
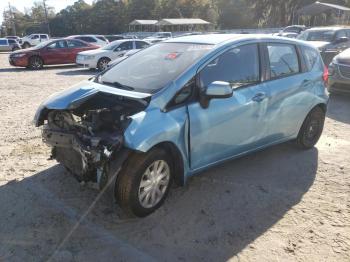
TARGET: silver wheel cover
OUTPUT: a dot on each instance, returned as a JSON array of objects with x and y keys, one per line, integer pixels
[{"x": 154, "y": 183}]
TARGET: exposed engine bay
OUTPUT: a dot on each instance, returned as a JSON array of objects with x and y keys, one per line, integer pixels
[{"x": 86, "y": 138}]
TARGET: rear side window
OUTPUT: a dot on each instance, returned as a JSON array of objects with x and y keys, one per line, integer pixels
[
  {"x": 125, "y": 46},
  {"x": 238, "y": 66},
  {"x": 35, "y": 37},
  {"x": 102, "y": 38},
  {"x": 141, "y": 44},
  {"x": 73, "y": 44},
  {"x": 310, "y": 57},
  {"x": 87, "y": 39},
  {"x": 283, "y": 60},
  {"x": 43, "y": 36}
]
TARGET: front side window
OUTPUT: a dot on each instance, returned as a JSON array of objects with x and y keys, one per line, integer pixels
[
  {"x": 283, "y": 60},
  {"x": 11, "y": 41},
  {"x": 238, "y": 66},
  {"x": 154, "y": 67}
]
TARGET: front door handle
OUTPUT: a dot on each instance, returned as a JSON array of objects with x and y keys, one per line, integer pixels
[{"x": 259, "y": 97}]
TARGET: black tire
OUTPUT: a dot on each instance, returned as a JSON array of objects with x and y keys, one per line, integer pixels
[
  {"x": 15, "y": 48},
  {"x": 35, "y": 63},
  {"x": 127, "y": 188},
  {"x": 102, "y": 63},
  {"x": 26, "y": 45},
  {"x": 311, "y": 130}
]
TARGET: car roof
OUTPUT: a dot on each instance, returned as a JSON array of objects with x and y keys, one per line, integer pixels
[{"x": 216, "y": 39}]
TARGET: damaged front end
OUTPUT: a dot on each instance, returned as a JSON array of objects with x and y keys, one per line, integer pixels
[{"x": 88, "y": 132}]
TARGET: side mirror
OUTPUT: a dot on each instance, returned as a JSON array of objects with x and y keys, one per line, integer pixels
[
  {"x": 342, "y": 39},
  {"x": 217, "y": 89}
]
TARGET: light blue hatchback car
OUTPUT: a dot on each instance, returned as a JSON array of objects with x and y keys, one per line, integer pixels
[{"x": 182, "y": 106}]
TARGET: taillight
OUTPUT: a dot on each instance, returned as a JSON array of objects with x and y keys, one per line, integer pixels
[{"x": 325, "y": 75}]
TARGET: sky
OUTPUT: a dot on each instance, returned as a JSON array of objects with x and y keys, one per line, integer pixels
[{"x": 21, "y": 4}]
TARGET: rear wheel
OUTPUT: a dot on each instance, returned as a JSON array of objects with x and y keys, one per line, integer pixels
[
  {"x": 102, "y": 64},
  {"x": 35, "y": 63},
  {"x": 15, "y": 48},
  {"x": 144, "y": 183},
  {"x": 26, "y": 45},
  {"x": 311, "y": 129}
]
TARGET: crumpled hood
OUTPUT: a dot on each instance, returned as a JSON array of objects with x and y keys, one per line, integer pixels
[
  {"x": 73, "y": 97},
  {"x": 318, "y": 44}
]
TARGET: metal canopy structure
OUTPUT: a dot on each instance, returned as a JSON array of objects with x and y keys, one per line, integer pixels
[
  {"x": 182, "y": 21},
  {"x": 319, "y": 7},
  {"x": 144, "y": 22},
  {"x": 169, "y": 24}
]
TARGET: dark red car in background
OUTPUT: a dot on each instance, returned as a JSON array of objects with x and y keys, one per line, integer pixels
[{"x": 54, "y": 52}]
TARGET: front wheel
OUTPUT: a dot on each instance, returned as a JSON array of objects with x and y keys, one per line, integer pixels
[
  {"x": 311, "y": 130},
  {"x": 35, "y": 63},
  {"x": 26, "y": 45},
  {"x": 144, "y": 183}
]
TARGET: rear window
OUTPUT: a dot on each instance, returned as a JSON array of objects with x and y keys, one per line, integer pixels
[
  {"x": 3, "y": 42},
  {"x": 310, "y": 56},
  {"x": 283, "y": 60},
  {"x": 102, "y": 38}
]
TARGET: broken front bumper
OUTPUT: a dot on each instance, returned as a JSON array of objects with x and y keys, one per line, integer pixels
[{"x": 86, "y": 157}]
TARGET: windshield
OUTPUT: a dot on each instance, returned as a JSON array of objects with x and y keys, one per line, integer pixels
[
  {"x": 155, "y": 67},
  {"x": 111, "y": 46},
  {"x": 319, "y": 35}
]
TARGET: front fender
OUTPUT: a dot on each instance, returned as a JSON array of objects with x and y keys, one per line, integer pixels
[{"x": 152, "y": 127}]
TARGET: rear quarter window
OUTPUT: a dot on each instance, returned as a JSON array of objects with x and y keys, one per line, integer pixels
[{"x": 311, "y": 57}]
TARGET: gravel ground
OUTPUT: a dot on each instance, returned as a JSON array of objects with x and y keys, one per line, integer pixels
[{"x": 280, "y": 204}]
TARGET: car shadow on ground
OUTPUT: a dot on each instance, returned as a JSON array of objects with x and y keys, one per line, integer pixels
[
  {"x": 23, "y": 69},
  {"x": 338, "y": 104},
  {"x": 212, "y": 218}
]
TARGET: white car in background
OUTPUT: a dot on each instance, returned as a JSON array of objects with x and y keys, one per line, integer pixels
[
  {"x": 99, "y": 58},
  {"x": 99, "y": 40},
  {"x": 33, "y": 40}
]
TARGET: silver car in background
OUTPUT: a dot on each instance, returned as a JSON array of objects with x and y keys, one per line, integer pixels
[
  {"x": 9, "y": 45},
  {"x": 339, "y": 73}
]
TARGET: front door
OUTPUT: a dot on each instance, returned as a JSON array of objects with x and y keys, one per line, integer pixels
[
  {"x": 56, "y": 53},
  {"x": 229, "y": 126}
]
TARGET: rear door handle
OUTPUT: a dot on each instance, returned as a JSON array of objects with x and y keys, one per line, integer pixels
[{"x": 259, "y": 97}]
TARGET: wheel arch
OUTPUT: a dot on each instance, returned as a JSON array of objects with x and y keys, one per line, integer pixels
[
  {"x": 36, "y": 55},
  {"x": 178, "y": 162}
]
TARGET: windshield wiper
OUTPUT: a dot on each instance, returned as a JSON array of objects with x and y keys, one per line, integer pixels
[{"x": 119, "y": 85}]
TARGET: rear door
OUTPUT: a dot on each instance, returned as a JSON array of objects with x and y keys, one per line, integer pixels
[
  {"x": 229, "y": 126},
  {"x": 74, "y": 47},
  {"x": 289, "y": 90}
]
